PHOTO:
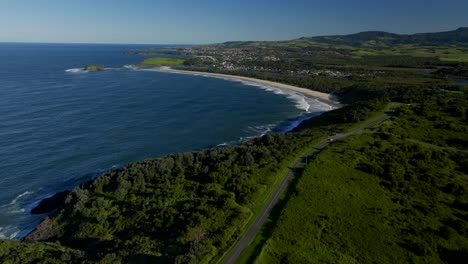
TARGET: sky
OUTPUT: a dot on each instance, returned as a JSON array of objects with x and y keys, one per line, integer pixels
[{"x": 214, "y": 21}]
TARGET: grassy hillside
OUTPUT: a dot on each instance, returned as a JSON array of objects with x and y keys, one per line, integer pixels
[
  {"x": 375, "y": 39},
  {"x": 441, "y": 121},
  {"x": 447, "y": 46},
  {"x": 379, "y": 38},
  {"x": 374, "y": 199},
  {"x": 380, "y": 197}
]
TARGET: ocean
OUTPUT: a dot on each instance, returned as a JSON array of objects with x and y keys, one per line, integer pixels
[{"x": 60, "y": 125}]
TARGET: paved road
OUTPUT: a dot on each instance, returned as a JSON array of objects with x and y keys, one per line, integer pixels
[{"x": 255, "y": 227}]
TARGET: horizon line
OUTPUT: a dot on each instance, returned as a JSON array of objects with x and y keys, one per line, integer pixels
[
  {"x": 225, "y": 41},
  {"x": 93, "y": 43}
]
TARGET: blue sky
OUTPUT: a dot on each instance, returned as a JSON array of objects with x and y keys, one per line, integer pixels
[{"x": 208, "y": 21}]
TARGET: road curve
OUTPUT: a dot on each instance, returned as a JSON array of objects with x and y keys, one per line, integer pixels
[{"x": 244, "y": 241}]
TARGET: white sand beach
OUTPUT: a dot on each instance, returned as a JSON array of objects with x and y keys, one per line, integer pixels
[{"x": 324, "y": 97}]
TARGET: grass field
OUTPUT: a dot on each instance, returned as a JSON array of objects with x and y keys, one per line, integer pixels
[
  {"x": 436, "y": 122},
  {"x": 159, "y": 61},
  {"x": 456, "y": 54},
  {"x": 255, "y": 245},
  {"x": 263, "y": 200},
  {"x": 338, "y": 213},
  {"x": 378, "y": 197},
  {"x": 374, "y": 48}
]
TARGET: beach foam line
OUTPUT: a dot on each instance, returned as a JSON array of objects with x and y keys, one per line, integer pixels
[
  {"x": 18, "y": 211},
  {"x": 305, "y": 99},
  {"x": 15, "y": 207},
  {"x": 8, "y": 232},
  {"x": 291, "y": 124},
  {"x": 323, "y": 97},
  {"x": 318, "y": 105},
  {"x": 80, "y": 70},
  {"x": 24, "y": 202},
  {"x": 76, "y": 70},
  {"x": 301, "y": 98},
  {"x": 130, "y": 67},
  {"x": 19, "y": 197},
  {"x": 298, "y": 98}
]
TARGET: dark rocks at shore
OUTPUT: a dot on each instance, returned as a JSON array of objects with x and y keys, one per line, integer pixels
[
  {"x": 49, "y": 204},
  {"x": 42, "y": 232}
]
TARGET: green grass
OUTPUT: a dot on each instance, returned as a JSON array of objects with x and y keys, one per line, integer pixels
[
  {"x": 265, "y": 197},
  {"x": 321, "y": 220},
  {"x": 374, "y": 48},
  {"x": 338, "y": 213},
  {"x": 448, "y": 53},
  {"x": 441, "y": 122},
  {"x": 257, "y": 242},
  {"x": 159, "y": 61},
  {"x": 377, "y": 198}
]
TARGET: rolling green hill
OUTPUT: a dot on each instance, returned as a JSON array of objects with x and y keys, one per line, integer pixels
[
  {"x": 379, "y": 38},
  {"x": 367, "y": 39},
  {"x": 447, "y": 46}
]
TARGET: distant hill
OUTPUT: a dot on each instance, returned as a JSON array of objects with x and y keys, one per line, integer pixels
[
  {"x": 368, "y": 39},
  {"x": 459, "y": 36}
]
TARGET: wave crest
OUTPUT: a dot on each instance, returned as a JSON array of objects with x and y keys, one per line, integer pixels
[
  {"x": 76, "y": 70},
  {"x": 17, "y": 198},
  {"x": 8, "y": 232}
]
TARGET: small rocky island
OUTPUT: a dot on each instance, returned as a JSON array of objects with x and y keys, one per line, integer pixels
[{"x": 93, "y": 68}]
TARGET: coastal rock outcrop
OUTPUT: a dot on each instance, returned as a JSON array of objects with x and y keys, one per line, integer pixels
[
  {"x": 42, "y": 232},
  {"x": 93, "y": 68},
  {"x": 49, "y": 204}
]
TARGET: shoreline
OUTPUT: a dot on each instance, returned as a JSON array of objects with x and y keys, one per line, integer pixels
[{"x": 322, "y": 97}]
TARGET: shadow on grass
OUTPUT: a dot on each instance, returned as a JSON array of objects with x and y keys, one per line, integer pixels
[{"x": 275, "y": 214}]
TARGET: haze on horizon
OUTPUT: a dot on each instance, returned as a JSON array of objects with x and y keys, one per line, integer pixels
[{"x": 208, "y": 21}]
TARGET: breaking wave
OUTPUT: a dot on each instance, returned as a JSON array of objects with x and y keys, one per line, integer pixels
[
  {"x": 302, "y": 102},
  {"x": 76, "y": 70}
]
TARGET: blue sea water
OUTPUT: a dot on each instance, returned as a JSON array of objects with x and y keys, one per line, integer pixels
[{"x": 60, "y": 125}]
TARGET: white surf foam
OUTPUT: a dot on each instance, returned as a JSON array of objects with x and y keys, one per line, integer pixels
[
  {"x": 76, "y": 70},
  {"x": 15, "y": 207},
  {"x": 149, "y": 69},
  {"x": 130, "y": 67},
  {"x": 318, "y": 106},
  {"x": 298, "y": 98},
  {"x": 8, "y": 232},
  {"x": 19, "y": 211},
  {"x": 257, "y": 131},
  {"x": 19, "y": 197},
  {"x": 302, "y": 102}
]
